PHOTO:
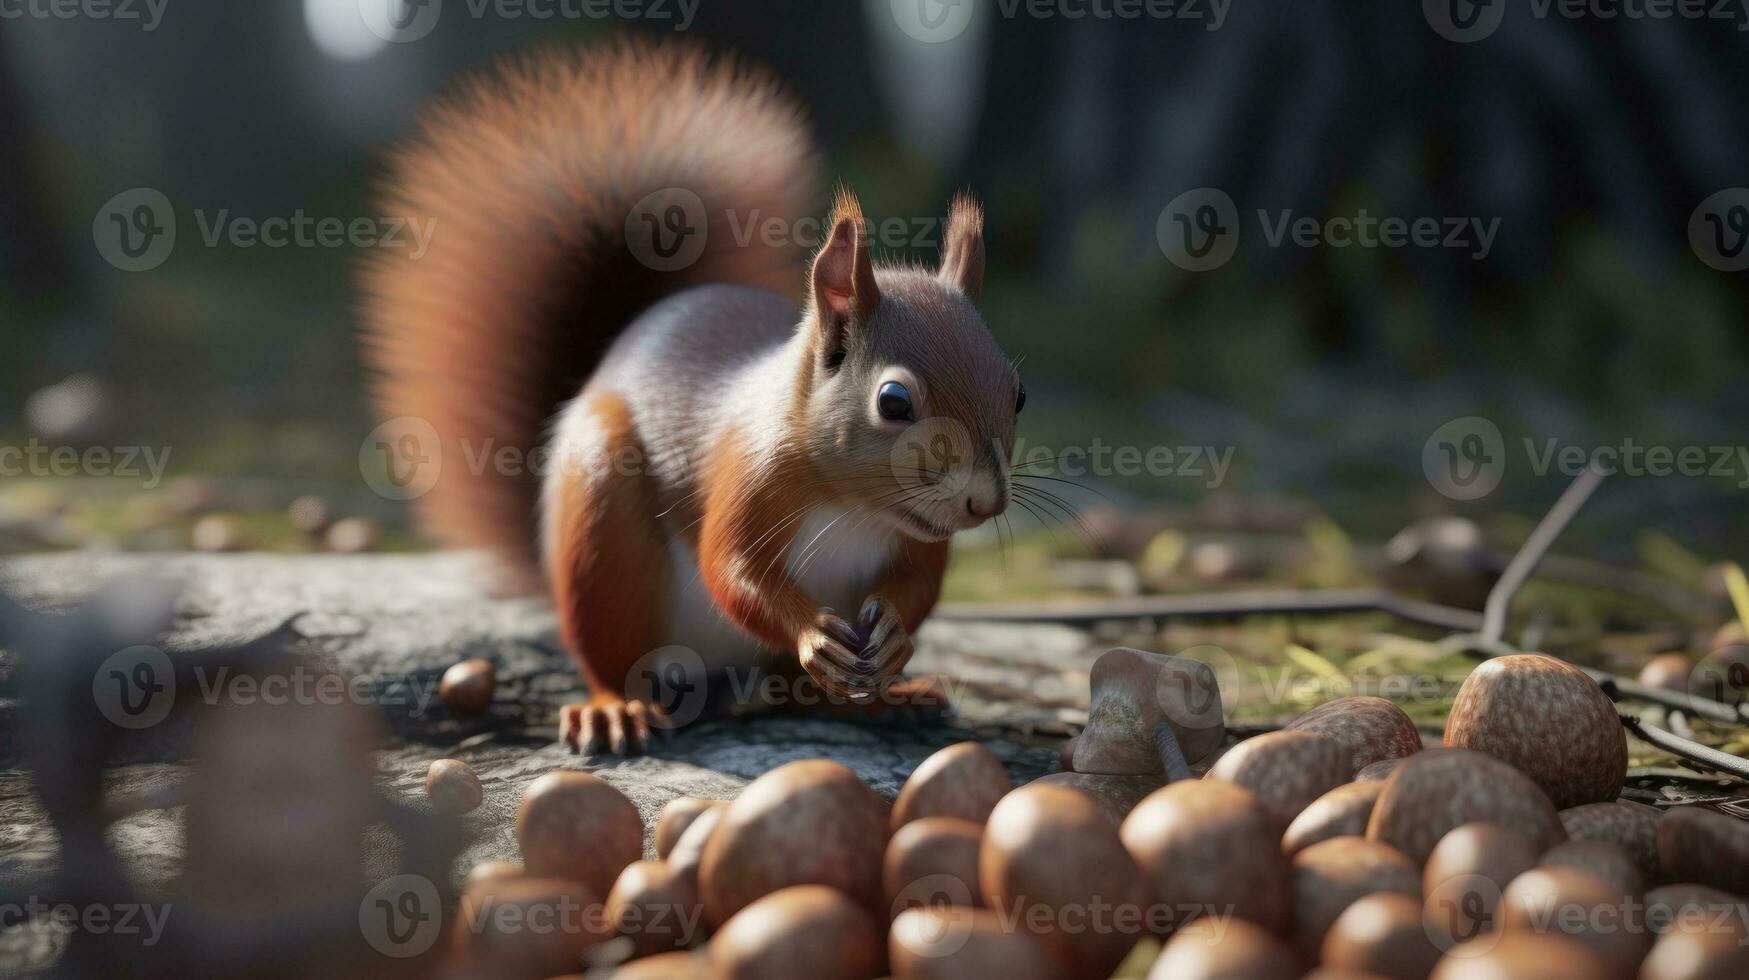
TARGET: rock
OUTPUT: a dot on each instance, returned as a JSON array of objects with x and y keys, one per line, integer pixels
[
  {"x": 1135, "y": 690},
  {"x": 1437, "y": 790},
  {"x": 1371, "y": 729}
]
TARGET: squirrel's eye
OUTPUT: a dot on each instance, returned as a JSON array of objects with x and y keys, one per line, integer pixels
[
  {"x": 894, "y": 402},
  {"x": 1020, "y": 400}
]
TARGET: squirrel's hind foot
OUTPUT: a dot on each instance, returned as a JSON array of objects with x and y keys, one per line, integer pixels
[{"x": 609, "y": 726}]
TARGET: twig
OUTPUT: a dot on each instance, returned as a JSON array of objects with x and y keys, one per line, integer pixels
[
  {"x": 1531, "y": 554},
  {"x": 1219, "y": 605}
]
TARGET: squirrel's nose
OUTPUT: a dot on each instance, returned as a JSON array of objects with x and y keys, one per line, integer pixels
[{"x": 984, "y": 509}]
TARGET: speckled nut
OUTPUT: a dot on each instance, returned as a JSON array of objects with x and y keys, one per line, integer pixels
[
  {"x": 1371, "y": 729},
  {"x": 452, "y": 787},
  {"x": 1631, "y": 826},
  {"x": 1550, "y": 720},
  {"x": 1210, "y": 844},
  {"x": 938, "y": 943},
  {"x": 1286, "y": 770},
  {"x": 1600, "y": 859},
  {"x": 811, "y": 822},
  {"x": 1050, "y": 855},
  {"x": 1342, "y": 812},
  {"x": 574, "y": 826},
  {"x": 1332, "y": 875},
  {"x": 1570, "y": 903},
  {"x": 964, "y": 780},
  {"x": 1519, "y": 956},
  {"x": 1706, "y": 847},
  {"x": 1380, "y": 770},
  {"x": 1437, "y": 790},
  {"x": 1465, "y": 877},
  {"x": 466, "y": 688},
  {"x": 654, "y": 907},
  {"x": 1381, "y": 935},
  {"x": 804, "y": 931},
  {"x": 1212, "y": 950},
  {"x": 677, "y": 815},
  {"x": 1134, "y": 690},
  {"x": 933, "y": 861}
]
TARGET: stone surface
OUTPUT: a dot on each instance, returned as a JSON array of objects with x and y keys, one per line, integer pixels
[{"x": 400, "y": 621}]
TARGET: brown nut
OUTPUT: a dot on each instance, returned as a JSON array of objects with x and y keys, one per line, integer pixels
[
  {"x": 452, "y": 787},
  {"x": 1687, "y": 907},
  {"x": 1371, "y": 729},
  {"x": 1438, "y": 789},
  {"x": 1134, "y": 690},
  {"x": 572, "y": 825},
  {"x": 1332, "y": 875},
  {"x": 1667, "y": 671},
  {"x": 1700, "y": 955},
  {"x": 1519, "y": 956},
  {"x": 800, "y": 931},
  {"x": 964, "y": 780},
  {"x": 1380, "y": 770},
  {"x": 218, "y": 533},
  {"x": 657, "y": 909},
  {"x": 354, "y": 535},
  {"x": 1050, "y": 848},
  {"x": 1704, "y": 846},
  {"x": 933, "y": 861},
  {"x": 1631, "y": 826},
  {"x": 1465, "y": 876},
  {"x": 466, "y": 688},
  {"x": 488, "y": 870},
  {"x": 1210, "y": 844},
  {"x": 1342, "y": 812},
  {"x": 677, "y": 815},
  {"x": 1381, "y": 935},
  {"x": 309, "y": 515},
  {"x": 1208, "y": 949},
  {"x": 1600, "y": 859},
  {"x": 1569, "y": 903},
  {"x": 811, "y": 822},
  {"x": 938, "y": 943},
  {"x": 662, "y": 966},
  {"x": 1286, "y": 770},
  {"x": 526, "y": 927},
  {"x": 1550, "y": 720},
  {"x": 687, "y": 856},
  {"x": 1116, "y": 795}
]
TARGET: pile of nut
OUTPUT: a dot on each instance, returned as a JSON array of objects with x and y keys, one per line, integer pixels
[{"x": 1338, "y": 845}]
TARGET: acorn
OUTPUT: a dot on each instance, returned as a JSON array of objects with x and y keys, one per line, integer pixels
[
  {"x": 1210, "y": 844},
  {"x": 662, "y": 966},
  {"x": 1697, "y": 955},
  {"x": 1438, "y": 789},
  {"x": 1371, "y": 729},
  {"x": 1381, "y": 935},
  {"x": 1286, "y": 770},
  {"x": 1667, "y": 671},
  {"x": 811, "y": 822},
  {"x": 452, "y": 787},
  {"x": 933, "y": 861},
  {"x": 936, "y": 943},
  {"x": 1465, "y": 876},
  {"x": 572, "y": 825},
  {"x": 1550, "y": 720},
  {"x": 799, "y": 931},
  {"x": 1116, "y": 795},
  {"x": 1331, "y": 875},
  {"x": 1050, "y": 847},
  {"x": 466, "y": 688},
  {"x": 1568, "y": 902},
  {"x": 1520, "y": 956},
  {"x": 1601, "y": 859},
  {"x": 677, "y": 815},
  {"x": 964, "y": 780},
  {"x": 1631, "y": 826},
  {"x": 1704, "y": 846},
  {"x": 654, "y": 907},
  {"x": 1342, "y": 812},
  {"x": 1380, "y": 770},
  {"x": 1211, "y": 949},
  {"x": 494, "y": 931}
]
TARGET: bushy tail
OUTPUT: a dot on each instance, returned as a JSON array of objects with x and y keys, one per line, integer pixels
[{"x": 547, "y": 241}]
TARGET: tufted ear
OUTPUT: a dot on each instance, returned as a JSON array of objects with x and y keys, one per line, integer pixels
[
  {"x": 843, "y": 281},
  {"x": 962, "y": 246}
]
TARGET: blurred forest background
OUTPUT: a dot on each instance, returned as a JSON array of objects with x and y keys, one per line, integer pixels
[{"x": 1326, "y": 370}]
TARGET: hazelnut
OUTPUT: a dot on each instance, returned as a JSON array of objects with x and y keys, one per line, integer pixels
[
  {"x": 572, "y": 825},
  {"x": 1568, "y": 902},
  {"x": 354, "y": 536},
  {"x": 1519, "y": 956},
  {"x": 654, "y": 907},
  {"x": 1438, "y": 789},
  {"x": 964, "y": 780},
  {"x": 1286, "y": 770},
  {"x": 488, "y": 870},
  {"x": 1693, "y": 908},
  {"x": 1465, "y": 876},
  {"x": 309, "y": 515},
  {"x": 662, "y": 966},
  {"x": 1667, "y": 671},
  {"x": 936, "y": 943},
  {"x": 1331, "y": 875},
  {"x": 1342, "y": 812},
  {"x": 218, "y": 533},
  {"x": 933, "y": 861},
  {"x": 799, "y": 931},
  {"x": 452, "y": 787},
  {"x": 1631, "y": 826},
  {"x": 1211, "y": 950},
  {"x": 1600, "y": 859},
  {"x": 466, "y": 688},
  {"x": 677, "y": 815},
  {"x": 1371, "y": 729},
  {"x": 1704, "y": 846},
  {"x": 495, "y": 935},
  {"x": 1210, "y": 844},
  {"x": 1550, "y": 720},
  {"x": 1698, "y": 955},
  {"x": 1380, "y": 770},
  {"x": 1381, "y": 935}
]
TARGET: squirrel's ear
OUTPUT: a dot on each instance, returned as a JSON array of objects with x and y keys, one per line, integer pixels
[
  {"x": 962, "y": 246},
  {"x": 843, "y": 280}
]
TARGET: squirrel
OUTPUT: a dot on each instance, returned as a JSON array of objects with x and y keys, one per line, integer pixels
[{"x": 726, "y": 467}]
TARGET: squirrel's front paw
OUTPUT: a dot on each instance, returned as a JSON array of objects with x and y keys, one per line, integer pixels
[{"x": 852, "y": 661}]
